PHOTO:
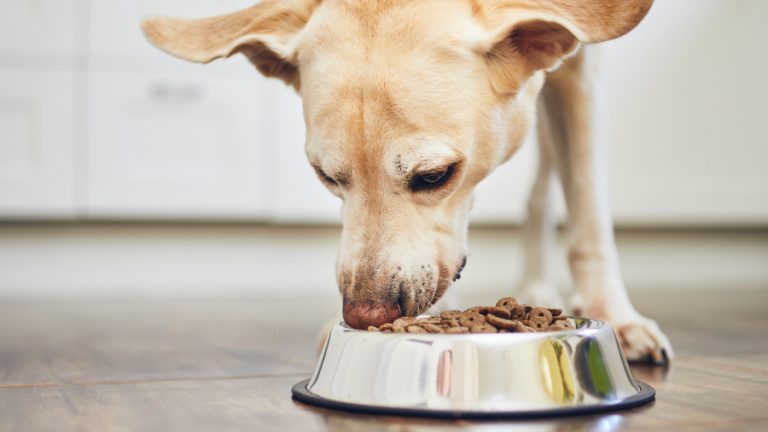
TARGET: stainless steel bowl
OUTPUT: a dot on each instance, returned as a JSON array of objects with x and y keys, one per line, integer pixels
[{"x": 474, "y": 375}]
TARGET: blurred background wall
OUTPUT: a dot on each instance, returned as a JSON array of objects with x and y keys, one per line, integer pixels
[{"x": 125, "y": 171}]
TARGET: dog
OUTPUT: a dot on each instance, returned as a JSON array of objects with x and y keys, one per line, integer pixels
[{"x": 408, "y": 104}]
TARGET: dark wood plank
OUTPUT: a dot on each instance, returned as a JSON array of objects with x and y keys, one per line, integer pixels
[
  {"x": 254, "y": 404},
  {"x": 230, "y": 365},
  {"x": 58, "y": 342},
  {"x": 264, "y": 404}
]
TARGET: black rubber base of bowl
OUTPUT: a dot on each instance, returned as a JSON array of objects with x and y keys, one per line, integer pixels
[{"x": 645, "y": 395}]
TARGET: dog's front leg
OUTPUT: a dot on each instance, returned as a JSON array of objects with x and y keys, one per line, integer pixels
[
  {"x": 569, "y": 103},
  {"x": 538, "y": 285}
]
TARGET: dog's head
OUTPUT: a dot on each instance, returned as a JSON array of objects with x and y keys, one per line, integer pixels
[{"x": 408, "y": 105}]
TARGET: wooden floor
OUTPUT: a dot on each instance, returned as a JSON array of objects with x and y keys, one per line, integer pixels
[{"x": 229, "y": 365}]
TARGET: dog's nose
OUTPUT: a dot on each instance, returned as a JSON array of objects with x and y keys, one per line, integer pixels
[
  {"x": 457, "y": 275},
  {"x": 361, "y": 314}
]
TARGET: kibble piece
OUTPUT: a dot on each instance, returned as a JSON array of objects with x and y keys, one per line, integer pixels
[
  {"x": 567, "y": 324},
  {"x": 525, "y": 329},
  {"x": 413, "y": 328},
  {"x": 555, "y": 311},
  {"x": 457, "y": 330},
  {"x": 471, "y": 319},
  {"x": 482, "y": 310},
  {"x": 386, "y": 326},
  {"x": 373, "y": 328},
  {"x": 518, "y": 313},
  {"x": 536, "y": 325},
  {"x": 499, "y": 312},
  {"x": 502, "y": 322},
  {"x": 450, "y": 314},
  {"x": 541, "y": 315},
  {"x": 433, "y": 328},
  {"x": 507, "y": 303},
  {"x": 560, "y": 325},
  {"x": 451, "y": 322},
  {"x": 484, "y": 328},
  {"x": 400, "y": 324}
]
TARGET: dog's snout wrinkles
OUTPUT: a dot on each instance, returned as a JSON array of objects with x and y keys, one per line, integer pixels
[{"x": 361, "y": 314}]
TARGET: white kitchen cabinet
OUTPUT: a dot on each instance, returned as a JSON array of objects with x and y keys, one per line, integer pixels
[
  {"x": 115, "y": 29},
  {"x": 37, "y": 143},
  {"x": 96, "y": 123},
  {"x": 40, "y": 27},
  {"x": 685, "y": 96},
  {"x": 184, "y": 146},
  {"x": 171, "y": 139}
]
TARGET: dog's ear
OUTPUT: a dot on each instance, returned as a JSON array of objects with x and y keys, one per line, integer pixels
[
  {"x": 533, "y": 35},
  {"x": 264, "y": 33}
]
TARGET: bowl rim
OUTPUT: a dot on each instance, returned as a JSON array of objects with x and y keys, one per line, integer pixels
[
  {"x": 598, "y": 324},
  {"x": 644, "y": 395}
]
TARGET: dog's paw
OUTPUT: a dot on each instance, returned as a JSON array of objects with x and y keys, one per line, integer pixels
[
  {"x": 642, "y": 340},
  {"x": 541, "y": 293}
]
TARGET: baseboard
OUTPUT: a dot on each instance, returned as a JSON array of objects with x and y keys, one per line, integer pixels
[{"x": 204, "y": 260}]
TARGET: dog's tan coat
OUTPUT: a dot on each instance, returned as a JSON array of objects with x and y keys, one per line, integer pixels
[{"x": 393, "y": 89}]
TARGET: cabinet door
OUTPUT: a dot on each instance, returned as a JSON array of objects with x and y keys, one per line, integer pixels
[
  {"x": 115, "y": 24},
  {"x": 685, "y": 116},
  {"x": 39, "y": 27},
  {"x": 177, "y": 146},
  {"x": 37, "y": 143}
]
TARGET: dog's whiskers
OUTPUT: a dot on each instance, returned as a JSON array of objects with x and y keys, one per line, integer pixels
[{"x": 423, "y": 298}]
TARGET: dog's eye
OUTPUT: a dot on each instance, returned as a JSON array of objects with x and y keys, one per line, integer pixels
[
  {"x": 432, "y": 179},
  {"x": 326, "y": 178}
]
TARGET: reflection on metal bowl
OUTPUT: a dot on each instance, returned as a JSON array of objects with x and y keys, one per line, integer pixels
[{"x": 474, "y": 375}]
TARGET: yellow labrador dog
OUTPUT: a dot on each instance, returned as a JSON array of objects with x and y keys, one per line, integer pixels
[{"x": 409, "y": 104}]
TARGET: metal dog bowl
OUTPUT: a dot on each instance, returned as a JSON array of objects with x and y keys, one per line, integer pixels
[{"x": 475, "y": 375}]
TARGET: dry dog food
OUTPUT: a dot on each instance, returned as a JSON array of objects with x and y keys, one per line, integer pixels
[{"x": 508, "y": 316}]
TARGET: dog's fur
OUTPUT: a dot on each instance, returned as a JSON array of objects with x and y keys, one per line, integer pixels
[{"x": 403, "y": 95}]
